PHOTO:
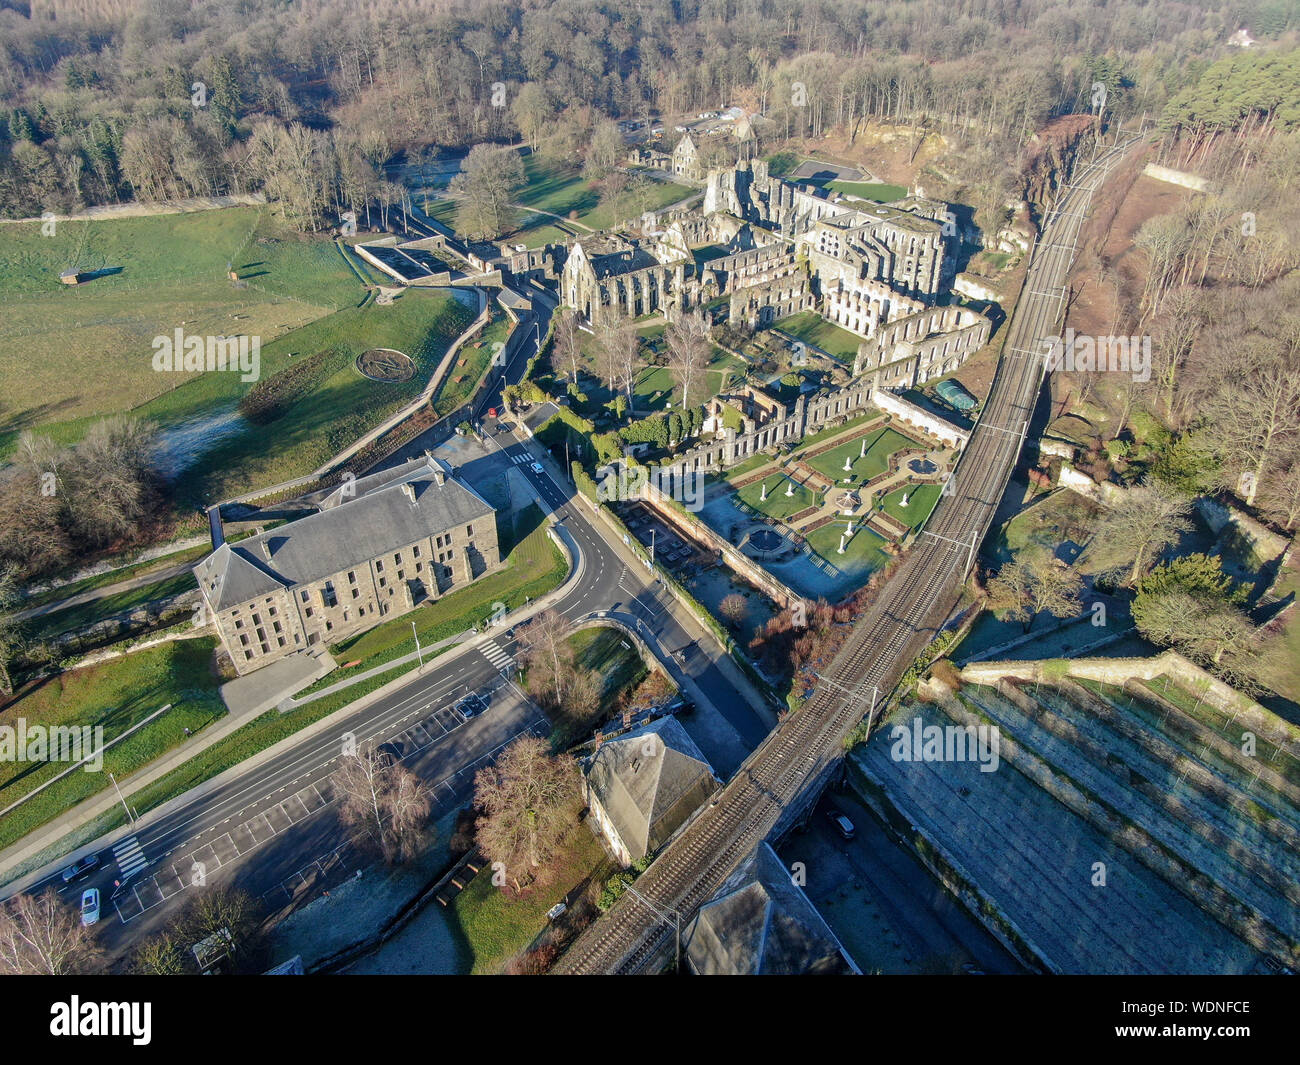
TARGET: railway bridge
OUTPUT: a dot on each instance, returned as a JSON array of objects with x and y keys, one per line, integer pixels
[{"x": 636, "y": 935}]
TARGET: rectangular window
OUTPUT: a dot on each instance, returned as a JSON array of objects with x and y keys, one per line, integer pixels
[
  {"x": 415, "y": 551},
  {"x": 397, "y": 558},
  {"x": 355, "y": 593},
  {"x": 309, "y": 612},
  {"x": 469, "y": 530},
  {"x": 379, "y": 565}
]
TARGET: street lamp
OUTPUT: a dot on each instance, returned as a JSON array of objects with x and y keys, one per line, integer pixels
[
  {"x": 129, "y": 816},
  {"x": 419, "y": 653}
]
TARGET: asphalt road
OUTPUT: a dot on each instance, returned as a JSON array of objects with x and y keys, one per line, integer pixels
[{"x": 272, "y": 821}]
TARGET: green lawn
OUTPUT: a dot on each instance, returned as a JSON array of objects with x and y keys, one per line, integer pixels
[
  {"x": 813, "y": 329},
  {"x": 921, "y": 500},
  {"x": 497, "y": 924},
  {"x": 866, "y": 548},
  {"x": 162, "y": 273},
  {"x": 608, "y": 652},
  {"x": 337, "y": 407},
  {"x": 777, "y": 505},
  {"x": 114, "y": 576},
  {"x": 115, "y": 695},
  {"x": 880, "y": 445},
  {"x": 76, "y": 618},
  {"x": 471, "y": 364}
]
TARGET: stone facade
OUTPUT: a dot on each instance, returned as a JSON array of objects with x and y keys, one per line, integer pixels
[{"x": 312, "y": 582}]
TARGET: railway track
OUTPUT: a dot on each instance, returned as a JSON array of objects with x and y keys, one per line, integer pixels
[{"x": 903, "y": 620}]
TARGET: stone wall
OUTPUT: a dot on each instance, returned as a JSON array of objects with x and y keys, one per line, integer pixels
[{"x": 920, "y": 418}]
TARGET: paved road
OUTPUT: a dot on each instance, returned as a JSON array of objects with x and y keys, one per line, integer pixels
[{"x": 273, "y": 820}]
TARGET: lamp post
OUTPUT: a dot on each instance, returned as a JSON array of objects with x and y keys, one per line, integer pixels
[
  {"x": 129, "y": 816},
  {"x": 418, "y": 652}
]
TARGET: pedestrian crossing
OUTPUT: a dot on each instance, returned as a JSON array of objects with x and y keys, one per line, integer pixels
[
  {"x": 130, "y": 858},
  {"x": 522, "y": 460},
  {"x": 496, "y": 656}
]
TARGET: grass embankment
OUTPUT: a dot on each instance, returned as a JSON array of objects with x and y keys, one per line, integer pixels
[
  {"x": 156, "y": 274},
  {"x": 115, "y": 695},
  {"x": 76, "y": 618},
  {"x": 497, "y": 924}
]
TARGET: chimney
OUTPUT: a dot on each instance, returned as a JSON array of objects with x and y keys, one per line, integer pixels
[
  {"x": 408, "y": 490},
  {"x": 439, "y": 478},
  {"x": 266, "y": 549}
]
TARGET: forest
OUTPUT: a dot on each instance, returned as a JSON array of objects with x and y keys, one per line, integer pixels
[{"x": 112, "y": 100}]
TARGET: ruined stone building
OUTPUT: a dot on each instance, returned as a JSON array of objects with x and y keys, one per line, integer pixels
[{"x": 377, "y": 547}]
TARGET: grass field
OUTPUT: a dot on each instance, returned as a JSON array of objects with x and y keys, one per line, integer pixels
[
  {"x": 116, "y": 695},
  {"x": 338, "y": 405},
  {"x": 75, "y": 618},
  {"x": 113, "y": 576},
  {"x": 498, "y": 924},
  {"x": 865, "y": 549},
  {"x": 880, "y": 445},
  {"x": 68, "y": 353},
  {"x": 777, "y": 505},
  {"x": 812, "y": 328},
  {"x": 471, "y": 364},
  {"x": 921, "y": 500},
  {"x": 607, "y": 652}
]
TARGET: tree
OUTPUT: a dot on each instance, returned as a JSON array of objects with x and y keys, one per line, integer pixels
[
  {"x": 527, "y": 799},
  {"x": 486, "y": 185},
  {"x": 689, "y": 350},
  {"x": 1191, "y": 605},
  {"x": 604, "y": 150},
  {"x": 382, "y": 801},
  {"x": 41, "y": 936},
  {"x": 1035, "y": 581},
  {"x": 1149, "y": 517},
  {"x": 734, "y": 608},
  {"x": 545, "y": 653},
  {"x": 566, "y": 347},
  {"x": 162, "y": 954},
  {"x": 533, "y": 112},
  {"x": 11, "y": 633},
  {"x": 617, "y": 345}
]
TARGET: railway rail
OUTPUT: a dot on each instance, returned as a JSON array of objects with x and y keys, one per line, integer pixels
[{"x": 904, "y": 619}]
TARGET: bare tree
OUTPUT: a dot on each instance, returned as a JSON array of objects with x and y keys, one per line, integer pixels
[
  {"x": 41, "y": 936},
  {"x": 566, "y": 345},
  {"x": 734, "y": 608},
  {"x": 1150, "y": 517},
  {"x": 486, "y": 185},
  {"x": 545, "y": 652},
  {"x": 1035, "y": 581},
  {"x": 527, "y": 801},
  {"x": 689, "y": 350},
  {"x": 618, "y": 345},
  {"x": 382, "y": 800}
]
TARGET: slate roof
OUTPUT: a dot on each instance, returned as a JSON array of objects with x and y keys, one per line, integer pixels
[
  {"x": 649, "y": 781},
  {"x": 759, "y": 923},
  {"x": 346, "y": 534}
]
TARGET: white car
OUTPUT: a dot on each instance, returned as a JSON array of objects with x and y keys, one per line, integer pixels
[
  {"x": 537, "y": 468},
  {"x": 89, "y": 906}
]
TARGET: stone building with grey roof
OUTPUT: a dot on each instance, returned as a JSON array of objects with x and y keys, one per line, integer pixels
[
  {"x": 760, "y": 923},
  {"x": 377, "y": 547},
  {"x": 643, "y": 785}
]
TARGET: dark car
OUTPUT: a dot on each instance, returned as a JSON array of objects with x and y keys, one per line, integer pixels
[
  {"x": 81, "y": 867},
  {"x": 842, "y": 824}
]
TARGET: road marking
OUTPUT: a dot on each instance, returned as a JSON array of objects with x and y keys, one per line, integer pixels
[{"x": 130, "y": 858}]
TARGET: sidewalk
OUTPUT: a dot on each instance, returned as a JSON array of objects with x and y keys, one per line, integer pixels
[{"x": 48, "y": 835}]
